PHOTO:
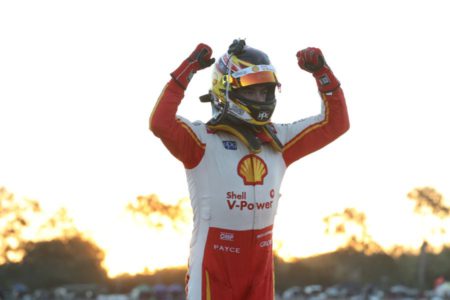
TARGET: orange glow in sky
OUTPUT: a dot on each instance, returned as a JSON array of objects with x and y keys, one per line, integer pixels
[
  {"x": 133, "y": 248},
  {"x": 79, "y": 79}
]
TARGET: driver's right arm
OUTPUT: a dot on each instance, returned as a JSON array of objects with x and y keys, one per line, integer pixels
[{"x": 175, "y": 133}]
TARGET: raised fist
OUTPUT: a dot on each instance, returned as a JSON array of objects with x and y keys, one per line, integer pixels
[
  {"x": 201, "y": 56},
  {"x": 199, "y": 59},
  {"x": 311, "y": 59}
]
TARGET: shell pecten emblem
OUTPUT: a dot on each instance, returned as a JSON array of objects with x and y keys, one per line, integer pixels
[
  {"x": 255, "y": 69},
  {"x": 252, "y": 169}
]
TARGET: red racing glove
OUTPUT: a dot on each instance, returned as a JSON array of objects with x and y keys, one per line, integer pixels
[
  {"x": 312, "y": 60},
  {"x": 198, "y": 60}
]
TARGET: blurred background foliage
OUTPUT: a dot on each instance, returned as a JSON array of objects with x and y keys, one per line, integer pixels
[{"x": 66, "y": 256}]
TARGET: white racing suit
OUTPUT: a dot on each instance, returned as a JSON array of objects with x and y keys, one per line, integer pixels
[{"x": 234, "y": 194}]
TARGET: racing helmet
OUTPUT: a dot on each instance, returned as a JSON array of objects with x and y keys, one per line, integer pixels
[{"x": 241, "y": 67}]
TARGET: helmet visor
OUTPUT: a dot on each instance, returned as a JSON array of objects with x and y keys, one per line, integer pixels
[
  {"x": 257, "y": 78},
  {"x": 256, "y": 74}
]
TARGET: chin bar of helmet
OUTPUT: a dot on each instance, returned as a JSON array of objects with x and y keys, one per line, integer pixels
[{"x": 231, "y": 108}]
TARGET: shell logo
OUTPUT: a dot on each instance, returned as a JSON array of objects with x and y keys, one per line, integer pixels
[
  {"x": 255, "y": 69},
  {"x": 252, "y": 169}
]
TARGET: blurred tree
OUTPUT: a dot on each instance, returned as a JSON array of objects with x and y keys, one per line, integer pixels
[
  {"x": 344, "y": 266},
  {"x": 62, "y": 261},
  {"x": 15, "y": 216},
  {"x": 439, "y": 265},
  {"x": 429, "y": 203},
  {"x": 60, "y": 225},
  {"x": 158, "y": 214},
  {"x": 352, "y": 224},
  {"x": 68, "y": 258}
]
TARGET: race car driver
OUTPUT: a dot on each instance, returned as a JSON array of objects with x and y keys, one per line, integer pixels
[{"x": 235, "y": 163}]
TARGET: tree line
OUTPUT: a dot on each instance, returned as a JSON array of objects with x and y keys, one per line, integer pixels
[{"x": 69, "y": 257}]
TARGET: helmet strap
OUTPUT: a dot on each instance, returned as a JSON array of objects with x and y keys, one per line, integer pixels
[
  {"x": 227, "y": 89},
  {"x": 245, "y": 132},
  {"x": 274, "y": 141},
  {"x": 237, "y": 128}
]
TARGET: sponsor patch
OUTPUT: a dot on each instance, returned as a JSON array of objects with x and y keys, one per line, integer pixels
[
  {"x": 226, "y": 236},
  {"x": 324, "y": 80},
  {"x": 263, "y": 234},
  {"x": 229, "y": 145},
  {"x": 263, "y": 115},
  {"x": 228, "y": 249},
  {"x": 252, "y": 169},
  {"x": 267, "y": 243}
]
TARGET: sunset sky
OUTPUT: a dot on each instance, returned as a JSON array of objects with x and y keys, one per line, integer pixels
[{"x": 78, "y": 80}]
